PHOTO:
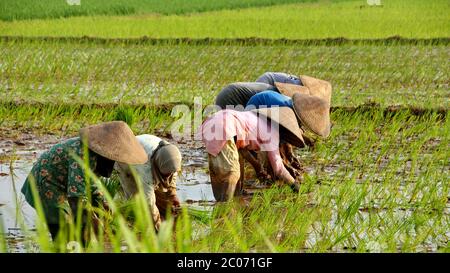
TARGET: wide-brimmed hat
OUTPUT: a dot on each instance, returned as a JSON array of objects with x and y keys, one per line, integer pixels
[
  {"x": 115, "y": 141},
  {"x": 287, "y": 120},
  {"x": 313, "y": 113},
  {"x": 289, "y": 89},
  {"x": 311, "y": 86}
]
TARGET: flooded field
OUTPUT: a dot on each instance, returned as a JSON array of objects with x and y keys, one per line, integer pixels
[
  {"x": 193, "y": 186},
  {"x": 376, "y": 185},
  {"x": 380, "y": 182}
]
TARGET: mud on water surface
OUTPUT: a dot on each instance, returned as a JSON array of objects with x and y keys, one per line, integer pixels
[
  {"x": 18, "y": 152},
  {"x": 16, "y": 160}
]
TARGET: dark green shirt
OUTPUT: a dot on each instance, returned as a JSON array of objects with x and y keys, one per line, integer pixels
[
  {"x": 59, "y": 176},
  {"x": 238, "y": 94}
]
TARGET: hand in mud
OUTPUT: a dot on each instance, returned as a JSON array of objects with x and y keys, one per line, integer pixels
[
  {"x": 264, "y": 176},
  {"x": 175, "y": 202},
  {"x": 167, "y": 200},
  {"x": 292, "y": 171},
  {"x": 176, "y": 207},
  {"x": 296, "y": 164},
  {"x": 295, "y": 187},
  {"x": 299, "y": 179}
]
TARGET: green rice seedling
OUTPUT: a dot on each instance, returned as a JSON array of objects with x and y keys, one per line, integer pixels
[
  {"x": 3, "y": 243},
  {"x": 140, "y": 78},
  {"x": 26, "y": 9},
  {"x": 412, "y": 19},
  {"x": 41, "y": 226},
  {"x": 379, "y": 183},
  {"x": 112, "y": 184},
  {"x": 125, "y": 114}
]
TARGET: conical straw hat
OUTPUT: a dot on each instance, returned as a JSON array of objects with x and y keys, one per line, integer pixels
[
  {"x": 313, "y": 113},
  {"x": 286, "y": 118},
  {"x": 115, "y": 141},
  {"x": 311, "y": 86},
  {"x": 289, "y": 89},
  {"x": 318, "y": 87}
]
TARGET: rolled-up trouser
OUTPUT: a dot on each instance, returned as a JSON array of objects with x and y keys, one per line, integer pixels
[{"x": 227, "y": 172}]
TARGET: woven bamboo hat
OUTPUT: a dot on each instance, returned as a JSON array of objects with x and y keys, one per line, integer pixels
[
  {"x": 115, "y": 141},
  {"x": 287, "y": 120},
  {"x": 311, "y": 86},
  {"x": 289, "y": 89},
  {"x": 313, "y": 113}
]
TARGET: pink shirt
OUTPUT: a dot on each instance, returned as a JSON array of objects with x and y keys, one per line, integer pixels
[{"x": 253, "y": 133}]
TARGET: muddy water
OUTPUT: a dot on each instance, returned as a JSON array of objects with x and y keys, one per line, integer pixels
[
  {"x": 14, "y": 211},
  {"x": 16, "y": 160},
  {"x": 193, "y": 184},
  {"x": 193, "y": 187}
]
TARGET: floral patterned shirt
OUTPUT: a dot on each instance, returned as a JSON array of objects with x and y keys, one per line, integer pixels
[{"x": 58, "y": 176}]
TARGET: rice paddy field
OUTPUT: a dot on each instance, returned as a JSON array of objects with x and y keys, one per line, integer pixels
[
  {"x": 379, "y": 183},
  {"x": 310, "y": 20}
]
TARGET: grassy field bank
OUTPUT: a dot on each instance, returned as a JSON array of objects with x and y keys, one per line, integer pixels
[
  {"x": 350, "y": 19},
  {"x": 32, "y": 9}
]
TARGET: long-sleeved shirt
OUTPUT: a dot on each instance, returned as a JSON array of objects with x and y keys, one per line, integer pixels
[
  {"x": 58, "y": 176},
  {"x": 144, "y": 171},
  {"x": 239, "y": 93},
  {"x": 268, "y": 99},
  {"x": 252, "y": 133}
]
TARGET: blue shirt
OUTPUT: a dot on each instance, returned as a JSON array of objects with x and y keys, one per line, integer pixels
[{"x": 268, "y": 99}]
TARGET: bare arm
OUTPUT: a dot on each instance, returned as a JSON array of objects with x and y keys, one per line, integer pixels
[
  {"x": 256, "y": 164},
  {"x": 154, "y": 211},
  {"x": 278, "y": 167}
]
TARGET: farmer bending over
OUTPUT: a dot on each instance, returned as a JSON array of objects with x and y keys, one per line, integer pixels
[
  {"x": 312, "y": 113},
  {"x": 227, "y": 131},
  {"x": 238, "y": 94},
  {"x": 59, "y": 178},
  {"x": 157, "y": 176}
]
